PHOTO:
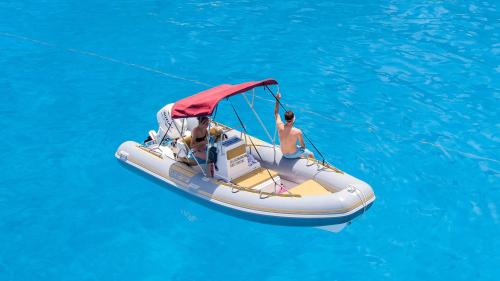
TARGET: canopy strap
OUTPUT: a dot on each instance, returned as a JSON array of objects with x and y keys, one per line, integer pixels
[
  {"x": 282, "y": 106},
  {"x": 251, "y": 141}
]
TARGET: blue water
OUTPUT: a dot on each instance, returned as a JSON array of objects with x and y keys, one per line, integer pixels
[{"x": 402, "y": 94}]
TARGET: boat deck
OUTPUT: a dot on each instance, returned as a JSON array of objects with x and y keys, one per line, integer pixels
[
  {"x": 310, "y": 187},
  {"x": 258, "y": 176},
  {"x": 254, "y": 178}
]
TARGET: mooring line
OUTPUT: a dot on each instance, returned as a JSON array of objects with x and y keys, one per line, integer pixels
[
  {"x": 106, "y": 58},
  {"x": 154, "y": 70}
]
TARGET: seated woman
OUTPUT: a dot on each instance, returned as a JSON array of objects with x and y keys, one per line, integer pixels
[{"x": 199, "y": 139}]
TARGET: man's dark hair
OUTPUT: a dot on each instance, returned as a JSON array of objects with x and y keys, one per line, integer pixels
[
  {"x": 289, "y": 116},
  {"x": 202, "y": 118}
]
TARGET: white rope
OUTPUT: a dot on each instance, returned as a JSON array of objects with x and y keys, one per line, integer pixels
[
  {"x": 364, "y": 199},
  {"x": 135, "y": 65},
  {"x": 106, "y": 58},
  {"x": 353, "y": 189}
]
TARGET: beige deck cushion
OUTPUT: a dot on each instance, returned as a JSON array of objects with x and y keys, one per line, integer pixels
[
  {"x": 254, "y": 178},
  {"x": 309, "y": 187},
  {"x": 187, "y": 140}
]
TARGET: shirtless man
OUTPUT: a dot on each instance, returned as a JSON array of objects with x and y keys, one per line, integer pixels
[{"x": 289, "y": 135}]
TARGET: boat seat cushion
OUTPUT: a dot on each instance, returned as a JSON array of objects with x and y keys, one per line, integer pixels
[
  {"x": 187, "y": 161},
  {"x": 309, "y": 187},
  {"x": 254, "y": 178},
  {"x": 187, "y": 140}
]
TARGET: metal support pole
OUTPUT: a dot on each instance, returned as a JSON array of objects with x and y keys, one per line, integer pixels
[{"x": 258, "y": 118}]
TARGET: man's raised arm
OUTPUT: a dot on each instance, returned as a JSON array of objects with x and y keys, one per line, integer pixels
[{"x": 277, "y": 109}]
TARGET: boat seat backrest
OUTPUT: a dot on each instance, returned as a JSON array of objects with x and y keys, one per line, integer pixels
[{"x": 187, "y": 140}]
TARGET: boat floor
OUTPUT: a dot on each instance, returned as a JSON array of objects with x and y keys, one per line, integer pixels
[
  {"x": 306, "y": 188},
  {"x": 309, "y": 187},
  {"x": 255, "y": 178}
]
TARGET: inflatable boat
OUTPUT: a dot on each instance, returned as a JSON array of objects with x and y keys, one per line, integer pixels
[{"x": 242, "y": 174}]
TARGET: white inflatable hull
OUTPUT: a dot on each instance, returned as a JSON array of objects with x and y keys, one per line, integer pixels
[{"x": 344, "y": 197}]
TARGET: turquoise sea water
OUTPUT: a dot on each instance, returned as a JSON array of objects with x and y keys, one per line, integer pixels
[{"x": 402, "y": 94}]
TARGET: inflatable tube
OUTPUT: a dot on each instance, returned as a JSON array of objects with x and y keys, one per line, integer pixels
[{"x": 273, "y": 188}]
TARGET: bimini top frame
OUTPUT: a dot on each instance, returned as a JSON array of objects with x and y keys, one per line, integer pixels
[{"x": 204, "y": 103}]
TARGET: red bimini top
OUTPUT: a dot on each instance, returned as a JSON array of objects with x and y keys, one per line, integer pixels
[{"x": 204, "y": 103}]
